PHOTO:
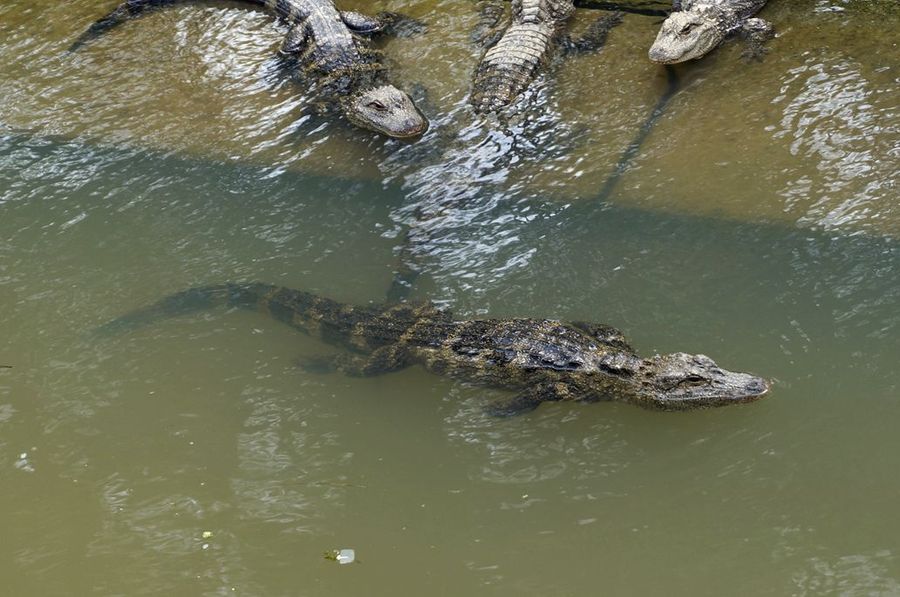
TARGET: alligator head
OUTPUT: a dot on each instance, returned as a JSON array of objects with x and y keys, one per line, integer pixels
[
  {"x": 386, "y": 110},
  {"x": 681, "y": 381},
  {"x": 687, "y": 35}
]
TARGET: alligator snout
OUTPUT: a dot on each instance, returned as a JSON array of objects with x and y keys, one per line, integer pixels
[
  {"x": 758, "y": 387},
  {"x": 659, "y": 55},
  {"x": 411, "y": 127}
]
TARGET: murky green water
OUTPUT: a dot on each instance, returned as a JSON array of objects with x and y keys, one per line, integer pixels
[{"x": 758, "y": 225}]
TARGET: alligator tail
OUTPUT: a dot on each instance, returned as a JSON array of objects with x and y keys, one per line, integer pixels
[
  {"x": 315, "y": 315},
  {"x": 510, "y": 65},
  {"x": 131, "y": 9},
  {"x": 126, "y": 11},
  {"x": 193, "y": 300}
]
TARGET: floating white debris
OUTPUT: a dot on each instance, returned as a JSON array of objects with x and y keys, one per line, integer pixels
[
  {"x": 23, "y": 464},
  {"x": 341, "y": 556},
  {"x": 346, "y": 556}
]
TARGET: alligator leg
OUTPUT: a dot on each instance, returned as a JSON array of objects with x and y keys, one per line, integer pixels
[
  {"x": 295, "y": 40},
  {"x": 757, "y": 32},
  {"x": 390, "y": 23},
  {"x": 401, "y": 25},
  {"x": 360, "y": 23},
  {"x": 488, "y": 31},
  {"x": 530, "y": 398},
  {"x": 404, "y": 279},
  {"x": 386, "y": 359},
  {"x": 595, "y": 36}
]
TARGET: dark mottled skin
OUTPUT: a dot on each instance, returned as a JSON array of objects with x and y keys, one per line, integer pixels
[
  {"x": 327, "y": 47},
  {"x": 518, "y": 51},
  {"x": 541, "y": 359}
]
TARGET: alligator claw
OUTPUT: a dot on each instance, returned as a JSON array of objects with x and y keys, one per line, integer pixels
[
  {"x": 319, "y": 364},
  {"x": 401, "y": 25},
  {"x": 754, "y": 53}
]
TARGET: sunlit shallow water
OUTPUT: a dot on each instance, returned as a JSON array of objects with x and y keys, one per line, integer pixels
[{"x": 757, "y": 225}]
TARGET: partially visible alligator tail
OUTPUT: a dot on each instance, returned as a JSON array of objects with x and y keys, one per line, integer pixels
[
  {"x": 122, "y": 13},
  {"x": 355, "y": 327},
  {"x": 131, "y": 9},
  {"x": 624, "y": 162},
  {"x": 247, "y": 296}
]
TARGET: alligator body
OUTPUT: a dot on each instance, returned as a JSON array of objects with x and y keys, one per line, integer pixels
[
  {"x": 518, "y": 51},
  {"x": 542, "y": 360},
  {"x": 328, "y": 48},
  {"x": 696, "y": 27}
]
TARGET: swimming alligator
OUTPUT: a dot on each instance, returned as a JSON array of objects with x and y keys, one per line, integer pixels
[
  {"x": 517, "y": 52},
  {"x": 331, "y": 49},
  {"x": 698, "y": 26},
  {"x": 544, "y": 360}
]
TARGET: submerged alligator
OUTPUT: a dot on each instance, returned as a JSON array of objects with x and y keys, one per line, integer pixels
[
  {"x": 543, "y": 360},
  {"x": 517, "y": 52},
  {"x": 699, "y": 26},
  {"x": 331, "y": 49}
]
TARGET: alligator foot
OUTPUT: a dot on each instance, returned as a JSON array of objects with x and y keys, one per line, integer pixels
[
  {"x": 488, "y": 30},
  {"x": 319, "y": 364},
  {"x": 382, "y": 360},
  {"x": 757, "y": 32},
  {"x": 595, "y": 36},
  {"x": 530, "y": 399},
  {"x": 420, "y": 96},
  {"x": 754, "y": 52},
  {"x": 401, "y": 25},
  {"x": 402, "y": 285},
  {"x": 295, "y": 41},
  {"x": 389, "y": 23}
]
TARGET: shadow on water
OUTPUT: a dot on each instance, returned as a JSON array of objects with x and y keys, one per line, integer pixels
[
  {"x": 469, "y": 183},
  {"x": 466, "y": 186},
  {"x": 804, "y": 294},
  {"x": 470, "y": 188}
]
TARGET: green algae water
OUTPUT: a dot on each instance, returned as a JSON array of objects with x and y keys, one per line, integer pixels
[{"x": 758, "y": 224}]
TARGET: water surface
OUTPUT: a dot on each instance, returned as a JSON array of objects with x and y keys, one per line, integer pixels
[{"x": 757, "y": 224}]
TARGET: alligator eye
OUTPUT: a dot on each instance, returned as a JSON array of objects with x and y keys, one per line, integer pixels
[
  {"x": 376, "y": 105},
  {"x": 694, "y": 378},
  {"x": 687, "y": 28}
]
